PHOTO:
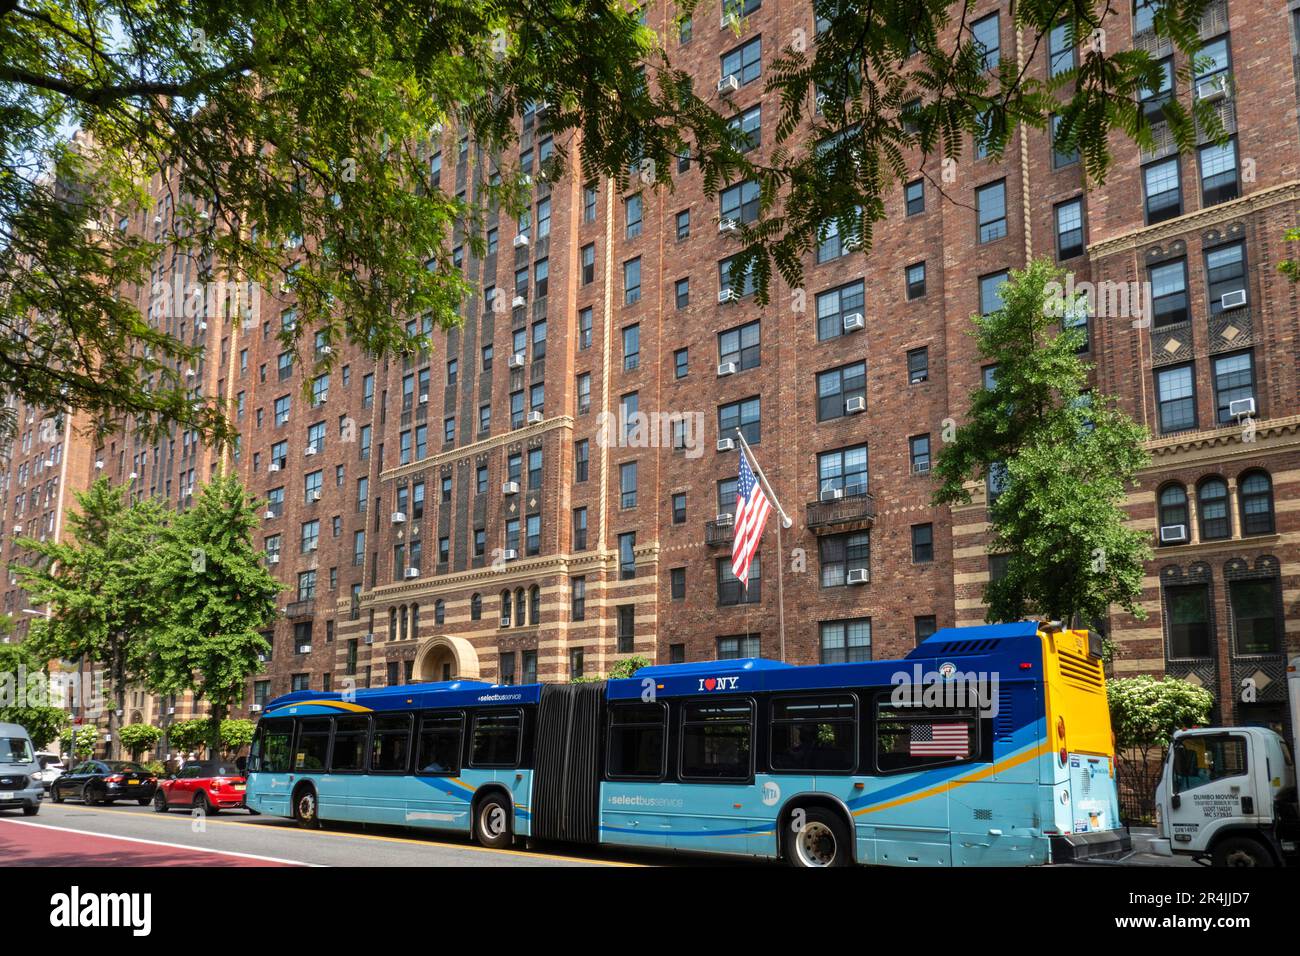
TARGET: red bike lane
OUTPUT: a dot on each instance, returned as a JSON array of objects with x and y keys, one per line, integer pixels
[{"x": 26, "y": 843}]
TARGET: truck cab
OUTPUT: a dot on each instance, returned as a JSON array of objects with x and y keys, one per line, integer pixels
[{"x": 1228, "y": 795}]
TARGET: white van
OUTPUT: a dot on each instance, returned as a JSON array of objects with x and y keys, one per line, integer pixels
[{"x": 21, "y": 779}]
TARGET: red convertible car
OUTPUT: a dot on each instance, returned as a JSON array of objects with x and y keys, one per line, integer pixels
[{"x": 208, "y": 785}]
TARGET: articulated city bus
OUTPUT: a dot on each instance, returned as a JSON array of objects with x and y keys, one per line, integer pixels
[{"x": 986, "y": 745}]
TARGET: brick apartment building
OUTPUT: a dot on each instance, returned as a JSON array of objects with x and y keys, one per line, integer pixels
[{"x": 464, "y": 513}]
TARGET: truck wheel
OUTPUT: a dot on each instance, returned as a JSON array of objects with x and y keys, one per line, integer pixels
[{"x": 1241, "y": 851}]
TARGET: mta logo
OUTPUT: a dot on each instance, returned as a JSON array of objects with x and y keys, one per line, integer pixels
[{"x": 718, "y": 683}]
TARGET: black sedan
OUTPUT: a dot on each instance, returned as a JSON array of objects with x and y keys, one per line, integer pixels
[{"x": 105, "y": 781}]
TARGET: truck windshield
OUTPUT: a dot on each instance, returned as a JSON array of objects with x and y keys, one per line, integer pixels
[{"x": 15, "y": 750}]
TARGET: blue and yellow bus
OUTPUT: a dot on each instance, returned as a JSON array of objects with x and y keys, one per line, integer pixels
[{"x": 985, "y": 746}]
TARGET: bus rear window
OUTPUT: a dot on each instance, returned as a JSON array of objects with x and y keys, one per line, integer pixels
[
  {"x": 717, "y": 740},
  {"x": 636, "y": 740},
  {"x": 814, "y": 733},
  {"x": 496, "y": 739},
  {"x": 313, "y": 745},
  {"x": 912, "y": 738},
  {"x": 439, "y": 748}
]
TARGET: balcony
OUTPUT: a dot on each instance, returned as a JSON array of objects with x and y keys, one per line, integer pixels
[
  {"x": 854, "y": 510},
  {"x": 303, "y": 608},
  {"x": 717, "y": 535}
]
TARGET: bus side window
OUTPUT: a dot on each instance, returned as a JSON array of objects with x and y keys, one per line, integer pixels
[
  {"x": 717, "y": 740},
  {"x": 313, "y": 745},
  {"x": 390, "y": 747},
  {"x": 439, "y": 744},
  {"x": 913, "y": 738},
  {"x": 348, "y": 754},
  {"x": 814, "y": 733},
  {"x": 637, "y": 733},
  {"x": 496, "y": 739}
]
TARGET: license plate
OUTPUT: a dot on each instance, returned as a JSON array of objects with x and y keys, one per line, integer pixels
[
  {"x": 6, "y": 795},
  {"x": 132, "y": 783},
  {"x": 241, "y": 787}
]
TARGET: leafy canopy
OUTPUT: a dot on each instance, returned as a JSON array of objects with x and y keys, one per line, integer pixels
[
  {"x": 1057, "y": 461},
  {"x": 299, "y": 139}
]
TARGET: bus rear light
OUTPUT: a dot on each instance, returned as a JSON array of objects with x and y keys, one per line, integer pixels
[
  {"x": 1062, "y": 756},
  {"x": 1026, "y": 666},
  {"x": 1060, "y": 728}
]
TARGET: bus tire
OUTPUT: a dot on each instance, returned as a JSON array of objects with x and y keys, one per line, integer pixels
[
  {"x": 822, "y": 840},
  {"x": 492, "y": 822},
  {"x": 306, "y": 808},
  {"x": 1241, "y": 851}
]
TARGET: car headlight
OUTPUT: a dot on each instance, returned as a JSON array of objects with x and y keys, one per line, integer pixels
[{"x": 38, "y": 776}]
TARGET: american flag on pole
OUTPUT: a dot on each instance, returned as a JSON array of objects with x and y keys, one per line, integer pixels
[
  {"x": 938, "y": 740},
  {"x": 752, "y": 509}
]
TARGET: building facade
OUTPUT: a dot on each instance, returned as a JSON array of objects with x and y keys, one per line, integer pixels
[{"x": 549, "y": 491}]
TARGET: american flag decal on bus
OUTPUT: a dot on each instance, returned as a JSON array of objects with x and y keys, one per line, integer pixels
[{"x": 938, "y": 740}]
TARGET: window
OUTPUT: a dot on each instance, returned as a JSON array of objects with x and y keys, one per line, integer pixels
[
  {"x": 846, "y": 641},
  {"x": 626, "y": 628},
  {"x": 584, "y": 329},
  {"x": 1154, "y": 99},
  {"x": 1169, "y": 293},
  {"x": 729, "y": 289},
  {"x": 748, "y": 129},
  {"x": 588, "y": 264},
  {"x": 1144, "y": 12},
  {"x": 919, "y": 451},
  {"x": 744, "y": 415},
  {"x": 915, "y": 275},
  {"x": 1255, "y": 491},
  {"x": 579, "y": 529},
  {"x": 924, "y": 625},
  {"x": 732, "y": 591},
  {"x": 717, "y": 740},
  {"x": 739, "y": 203},
  {"x": 632, "y": 281},
  {"x": 1173, "y": 510},
  {"x": 1212, "y": 509},
  {"x": 918, "y": 366},
  {"x": 1225, "y": 273},
  {"x": 310, "y": 539},
  {"x": 627, "y": 556},
  {"x": 991, "y": 210},
  {"x": 842, "y": 553},
  {"x": 1219, "y": 181},
  {"x": 914, "y": 197},
  {"x": 1234, "y": 381},
  {"x": 682, "y": 293},
  {"x": 632, "y": 210},
  {"x": 1256, "y": 623},
  {"x": 495, "y": 739},
  {"x": 680, "y": 363},
  {"x": 637, "y": 734},
  {"x": 837, "y": 304},
  {"x": 837, "y": 388},
  {"x": 282, "y": 410},
  {"x": 543, "y": 222},
  {"x": 843, "y": 470},
  {"x": 627, "y": 484},
  {"x": 581, "y": 459},
  {"x": 985, "y": 35},
  {"x": 738, "y": 647},
  {"x": 1187, "y": 608},
  {"x": 313, "y": 741},
  {"x": 631, "y": 347},
  {"x": 576, "y": 668},
  {"x": 814, "y": 733},
  {"x": 533, "y": 538},
  {"x": 1164, "y": 190},
  {"x": 534, "y": 470},
  {"x": 744, "y": 62},
  {"x": 677, "y": 584},
  {"x": 1205, "y": 758},
  {"x": 578, "y": 599},
  {"x": 1176, "y": 398},
  {"x": 909, "y": 738},
  {"x": 589, "y": 202},
  {"x": 539, "y": 340},
  {"x": 1060, "y": 50},
  {"x": 922, "y": 543},
  {"x": 741, "y": 346},
  {"x": 683, "y": 225},
  {"x": 1063, "y": 154},
  {"x": 1069, "y": 229}
]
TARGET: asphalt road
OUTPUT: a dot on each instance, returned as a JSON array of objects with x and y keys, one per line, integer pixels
[{"x": 69, "y": 834}]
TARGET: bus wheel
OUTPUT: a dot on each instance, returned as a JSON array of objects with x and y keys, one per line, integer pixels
[
  {"x": 822, "y": 840},
  {"x": 1241, "y": 851},
  {"x": 492, "y": 822},
  {"x": 305, "y": 809}
]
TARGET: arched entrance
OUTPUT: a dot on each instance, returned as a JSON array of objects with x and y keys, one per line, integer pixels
[{"x": 446, "y": 658}]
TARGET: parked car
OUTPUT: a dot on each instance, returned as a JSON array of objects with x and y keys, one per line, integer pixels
[
  {"x": 105, "y": 781},
  {"x": 20, "y": 775},
  {"x": 208, "y": 785},
  {"x": 52, "y": 768}
]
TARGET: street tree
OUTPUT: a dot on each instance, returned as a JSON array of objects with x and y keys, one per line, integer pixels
[
  {"x": 236, "y": 734},
  {"x": 298, "y": 145},
  {"x": 219, "y": 598},
  {"x": 1056, "y": 459},
  {"x": 94, "y": 586},
  {"x": 80, "y": 742},
  {"x": 189, "y": 736},
  {"x": 137, "y": 738}
]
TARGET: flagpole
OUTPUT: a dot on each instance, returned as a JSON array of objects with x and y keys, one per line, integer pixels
[{"x": 785, "y": 522}]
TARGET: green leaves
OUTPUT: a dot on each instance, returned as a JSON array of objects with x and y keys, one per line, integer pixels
[
  {"x": 1057, "y": 459},
  {"x": 1146, "y": 712}
]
